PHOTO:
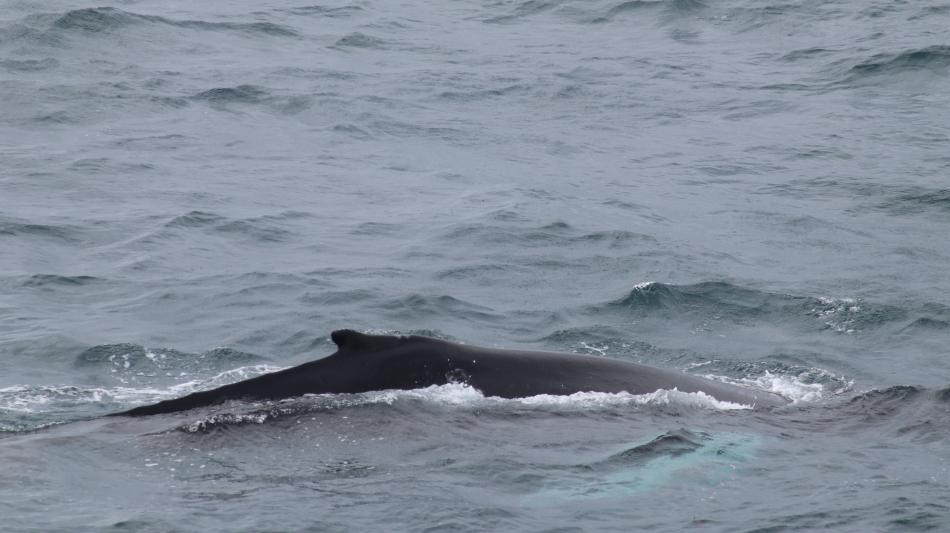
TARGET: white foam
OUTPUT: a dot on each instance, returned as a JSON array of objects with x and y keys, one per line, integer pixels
[
  {"x": 226, "y": 377},
  {"x": 154, "y": 356},
  {"x": 457, "y": 394},
  {"x": 660, "y": 397},
  {"x": 602, "y": 351},
  {"x": 794, "y": 388},
  {"x": 449, "y": 394},
  {"x": 838, "y": 313},
  {"x": 204, "y": 424}
]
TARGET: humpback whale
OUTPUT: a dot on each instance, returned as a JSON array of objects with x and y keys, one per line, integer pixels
[{"x": 365, "y": 363}]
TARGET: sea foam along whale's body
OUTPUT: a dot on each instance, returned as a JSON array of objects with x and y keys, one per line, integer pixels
[{"x": 365, "y": 363}]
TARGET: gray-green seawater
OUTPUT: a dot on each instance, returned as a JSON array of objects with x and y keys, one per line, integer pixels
[{"x": 196, "y": 193}]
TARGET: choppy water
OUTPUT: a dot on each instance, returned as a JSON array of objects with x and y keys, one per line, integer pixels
[{"x": 196, "y": 193}]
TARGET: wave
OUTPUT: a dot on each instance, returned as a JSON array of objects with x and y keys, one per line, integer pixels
[
  {"x": 48, "y": 280},
  {"x": 100, "y": 23},
  {"x": 249, "y": 94},
  {"x": 670, "y": 444},
  {"x": 136, "y": 361},
  {"x": 103, "y": 19},
  {"x": 29, "y": 65},
  {"x": 194, "y": 219},
  {"x": 918, "y": 200},
  {"x": 932, "y": 59},
  {"x": 685, "y": 6},
  {"x": 927, "y": 324},
  {"x": 669, "y": 10},
  {"x": 907, "y": 412},
  {"x": 884, "y": 402},
  {"x": 597, "y": 340},
  {"x": 473, "y": 94},
  {"x": 262, "y": 229},
  {"x": 727, "y": 302},
  {"x": 929, "y": 11},
  {"x": 740, "y": 18},
  {"x": 805, "y": 53},
  {"x": 484, "y": 271},
  {"x": 359, "y": 40},
  {"x": 377, "y": 229},
  {"x": 338, "y": 297},
  {"x": 652, "y": 295},
  {"x": 353, "y": 131},
  {"x": 922, "y": 58},
  {"x": 557, "y": 234},
  {"x": 221, "y": 97},
  {"x": 13, "y": 227},
  {"x": 333, "y": 12},
  {"x": 625, "y": 7},
  {"x": 200, "y": 219},
  {"x": 403, "y": 129},
  {"x": 904, "y": 411},
  {"x": 95, "y": 19},
  {"x": 913, "y": 65},
  {"x": 421, "y": 306},
  {"x": 525, "y": 9}
]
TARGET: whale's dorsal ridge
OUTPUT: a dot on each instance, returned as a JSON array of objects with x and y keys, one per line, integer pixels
[{"x": 349, "y": 340}]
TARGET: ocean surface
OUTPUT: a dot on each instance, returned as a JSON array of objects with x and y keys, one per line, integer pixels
[{"x": 194, "y": 193}]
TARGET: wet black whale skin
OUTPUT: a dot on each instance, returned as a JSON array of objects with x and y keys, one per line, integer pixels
[{"x": 365, "y": 363}]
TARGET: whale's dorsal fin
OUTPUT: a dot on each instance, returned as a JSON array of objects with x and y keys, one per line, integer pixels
[{"x": 349, "y": 340}]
